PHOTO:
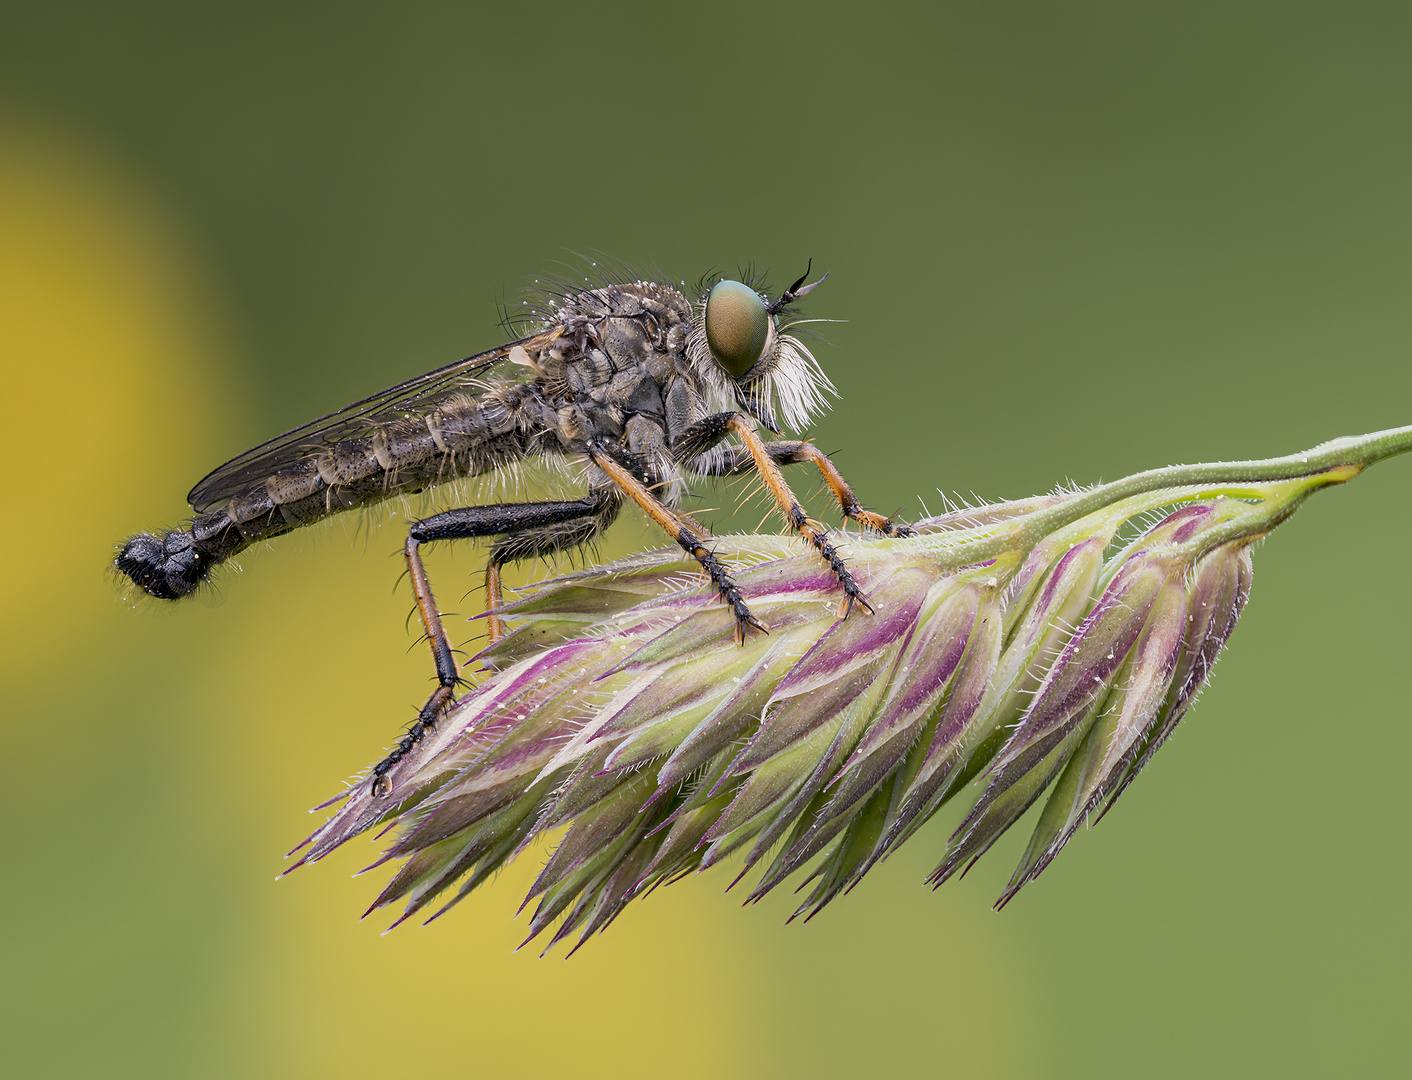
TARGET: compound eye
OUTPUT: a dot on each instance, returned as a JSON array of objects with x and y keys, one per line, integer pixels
[{"x": 737, "y": 326}]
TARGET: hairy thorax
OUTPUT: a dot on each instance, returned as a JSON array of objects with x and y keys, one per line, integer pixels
[{"x": 620, "y": 373}]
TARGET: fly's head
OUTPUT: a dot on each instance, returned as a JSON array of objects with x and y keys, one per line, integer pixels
[{"x": 741, "y": 349}]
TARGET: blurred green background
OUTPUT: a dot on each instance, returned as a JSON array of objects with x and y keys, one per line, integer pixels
[{"x": 1068, "y": 241}]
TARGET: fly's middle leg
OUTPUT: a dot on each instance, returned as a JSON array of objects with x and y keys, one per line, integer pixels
[
  {"x": 714, "y": 428},
  {"x": 527, "y": 529},
  {"x": 615, "y": 464}
]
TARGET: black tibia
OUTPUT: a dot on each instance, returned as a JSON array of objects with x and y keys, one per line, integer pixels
[
  {"x": 527, "y": 530},
  {"x": 499, "y": 519},
  {"x": 624, "y": 469}
]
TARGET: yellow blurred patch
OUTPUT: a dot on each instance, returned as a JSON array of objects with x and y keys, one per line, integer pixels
[{"x": 104, "y": 341}]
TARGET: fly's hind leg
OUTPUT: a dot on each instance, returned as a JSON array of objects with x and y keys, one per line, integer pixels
[
  {"x": 543, "y": 540},
  {"x": 528, "y": 529}
]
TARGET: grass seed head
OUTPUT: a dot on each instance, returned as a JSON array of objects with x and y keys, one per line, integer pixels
[{"x": 1034, "y": 646}]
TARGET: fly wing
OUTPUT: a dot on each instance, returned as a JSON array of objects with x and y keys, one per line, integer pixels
[{"x": 415, "y": 396}]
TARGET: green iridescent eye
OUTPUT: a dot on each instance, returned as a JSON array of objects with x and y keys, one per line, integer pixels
[{"x": 737, "y": 326}]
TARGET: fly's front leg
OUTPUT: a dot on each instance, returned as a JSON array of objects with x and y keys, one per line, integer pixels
[
  {"x": 607, "y": 459},
  {"x": 529, "y": 528},
  {"x": 708, "y": 432},
  {"x": 796, "y": 453}
]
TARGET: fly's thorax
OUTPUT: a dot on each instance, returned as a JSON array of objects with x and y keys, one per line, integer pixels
[
  {"x": 595, "y": 394},
  {"x": 610, "y": 372},
  {"x": 635, "y": 324}
]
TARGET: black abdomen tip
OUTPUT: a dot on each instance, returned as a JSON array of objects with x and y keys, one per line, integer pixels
[{"x": 167, "y": 567}]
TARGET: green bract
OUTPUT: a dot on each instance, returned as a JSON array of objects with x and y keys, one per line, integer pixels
[{"x": 1046, "y": 645}]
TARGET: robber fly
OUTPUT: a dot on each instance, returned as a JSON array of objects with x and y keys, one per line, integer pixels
[{"x": 631, "y": 379}]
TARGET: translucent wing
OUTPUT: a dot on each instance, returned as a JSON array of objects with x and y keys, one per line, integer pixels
[{"x": 415, "y": 396}]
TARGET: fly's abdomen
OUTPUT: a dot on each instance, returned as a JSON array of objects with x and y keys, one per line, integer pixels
[{"x": 464, "y": 437}]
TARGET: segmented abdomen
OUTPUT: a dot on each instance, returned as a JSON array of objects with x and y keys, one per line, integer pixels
[{"x": 465, "y": 437}]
